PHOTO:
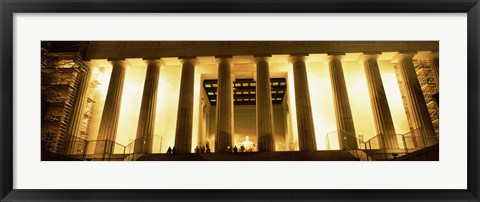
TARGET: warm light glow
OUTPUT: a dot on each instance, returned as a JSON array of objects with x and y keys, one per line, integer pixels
[
  {"x": 394, "y": 97},
  {"x": 320, "y": 94},
  {"x": 323, "y": 110},
  {"x": 102, "y": 75},
  {"x": 248, "y": 145},
  {"x": 167, "y": 104},
  {"x": 197, "y": 110},
  {"x": 359, "y": 97},
  {"x": 131, "y": 102},
  {"x": 292, "y": 119},
  {"x": 321, "y": 97}
]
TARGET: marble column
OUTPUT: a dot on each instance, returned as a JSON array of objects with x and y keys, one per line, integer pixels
[
  {"x": 421, "y": 121},
  {"x": 306, "y": 131},
  {"x": 107, "y": 132},
  {"x": 265, "y": 130},
  {"x": 78, "y": 109},
  {"x": 434, "y": 61},
  {"x": 183, "y": 134},
  {"x": 378, "y": 99},
  {"x": 224, "y": 113},
  {"x": 343, "y": 113},
  {"x": 146, "y": 119}
]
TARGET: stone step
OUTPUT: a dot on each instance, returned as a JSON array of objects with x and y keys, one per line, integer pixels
[{"x": 337, "y": 155}]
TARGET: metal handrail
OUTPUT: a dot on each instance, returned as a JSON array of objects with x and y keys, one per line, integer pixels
[
  {"x": 111, "y": 149},
  {"x": 357, "y": 153},
  {"x": 411, "y": 142}
]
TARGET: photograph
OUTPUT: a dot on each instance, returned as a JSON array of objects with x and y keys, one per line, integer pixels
[{"x": 239, "y": 100}]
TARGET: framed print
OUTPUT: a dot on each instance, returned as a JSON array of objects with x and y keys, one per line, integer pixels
[{"x": 239, "y": 101}]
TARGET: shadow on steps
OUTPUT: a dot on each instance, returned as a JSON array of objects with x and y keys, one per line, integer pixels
[{"x": 337, "y": 155}]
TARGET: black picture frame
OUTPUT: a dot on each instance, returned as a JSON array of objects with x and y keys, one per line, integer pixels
[{"x": 10, "y": 7}]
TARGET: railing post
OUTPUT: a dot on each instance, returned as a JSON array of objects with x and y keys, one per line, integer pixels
[
  {"x": 133, "y": 151},
  {"x": 384, "y": 148},
  {"x": 85, "y": 150},
  {"x": 104, "y": 149},
  {"x": 404, "y": 144},
  {"x": 160, "y": 148},
  {"x": 425, "y": 140},
  {"x": 328, "y": 142},
  {"x": 112, "y": 149},
  {"x": 124, "y": 148},
  {"x": 414, "y": 138},
  {"x": 109, "y": 148}
]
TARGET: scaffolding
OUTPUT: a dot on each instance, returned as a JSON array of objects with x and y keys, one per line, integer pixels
[
  {"x": 59, "y": 78},
  {"x": 430, "y": 89},
  {"x": 89, "y": 107}
]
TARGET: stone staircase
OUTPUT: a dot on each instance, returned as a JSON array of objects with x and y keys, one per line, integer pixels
[{"x": 337, "y": 155}]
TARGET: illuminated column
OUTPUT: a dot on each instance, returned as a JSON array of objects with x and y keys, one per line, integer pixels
[
  {"x": 203, "y": 129},
  {"x": 146, "y": 119},
  {"x": 378, "y": 99},
  {"x": 415, "y": 99},
  {"x": 289, "y": 136},
  {"x": 183, "y": 134},
  {"x": 343, "y": 113},
  {"x": 111, "y": 111},
  {"x": 306, "y": 131},
  {"x": 265, "y": 131},
  {"x": 76, "y": 115},
  {"x": 434, "y": 65},
  {"x": 224, "y": 114}
]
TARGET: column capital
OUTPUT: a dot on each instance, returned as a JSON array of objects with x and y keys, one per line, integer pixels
[
  {"x": 298, "y": 56},
  {"x": 118, "y": 61},
  {"x": 263, "y": 57},
  {"x": 371, "y": 55},
  {"x": 224, "y": 58},
  {"x": 185, "y": 59},
  {"x": 335, "y": 56},
  {"x": 404, "y": 54},
  {"x": 153, "y": 61}
]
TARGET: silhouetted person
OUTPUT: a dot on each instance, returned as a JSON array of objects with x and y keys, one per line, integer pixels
[
  {"x": 169, "y": 150},
  {"x": 395, "y": 155},
  {"x": 235, "y": 149},
  {"x": 208, "y": 150},
  {"x": 197, "y": 150},
  {"x": 242, "y": 148},
  {"x": 174, "y": 151},
  {"x": 202, "y": 149}
]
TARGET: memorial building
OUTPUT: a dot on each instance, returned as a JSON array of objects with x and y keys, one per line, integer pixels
[{"x": 240, "y": 100}]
